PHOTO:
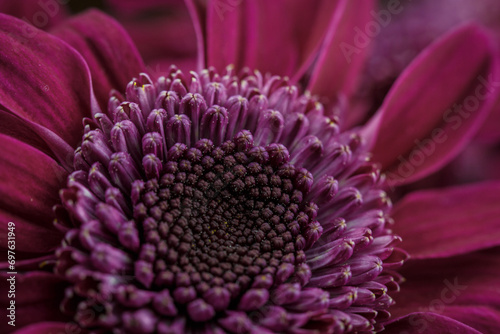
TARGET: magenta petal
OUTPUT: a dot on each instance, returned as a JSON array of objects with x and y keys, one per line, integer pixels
[
  {"x": 314, "y": 32},
  {"x": 197, "y": 13},
  {"x": 32, "y": 239},
  {"x": 30, "y": 184},
  {"x": 280, "y": 37},
  {"x": 108, "y": 50},
  {"x": 224, "y": 34},
  {"x": 435, "y": 107},
  {"x": 42, "y": 79},
  {"x": 132, "y": 7},
  {"x": 483, "y": 318},
  {"x": 49, "y": 327},
  {"x": 41, "y": 14},
  {"x": 206, "y": 24},
  {"x": 164, "y": 39},
  {"x": 447, "y": 222},
  {"x": 425, "y": 21},
  {"x": 428, "y": 323},
  {"x": 445, "y": 285},
  {"x": 37, "y": 136},
  {"x": 344, "y": 51},
  {"x": 38, "y": 296}
]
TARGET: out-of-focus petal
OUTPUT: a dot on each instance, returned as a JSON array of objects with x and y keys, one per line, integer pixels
[
  {"x": 344, "y": 51},
  {"x": 108, "y": 50},
  {"x": 197, "y": 11},
  {"x": 41, "y": 14},
  {"x": 447, "y": 222},
  {"x": 163, "y": 35},
  {"x": 162, "y": 66},
  {"x": 133, "y": 6},
  {"x": 257, "y": 34},
  {"x": 489, "y": 132},
  {"x": 435, "y": 107},
  {"x": 225, "y": 39},
  {"x": 424, "y": 21},
  {"x": 30, "y": 184},
  {"x": 43, "y": 80},
  {"x": 429, "y": 323},
  {"x": 478, "y": 162},
  {"x": 445, "y": 285},
  {"x": 38, "y": 296}
]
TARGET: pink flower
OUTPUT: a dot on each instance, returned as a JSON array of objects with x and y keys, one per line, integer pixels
[{"x": 228, "y": 199}]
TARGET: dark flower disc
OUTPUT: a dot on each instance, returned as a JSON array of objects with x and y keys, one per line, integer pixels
[{"x": 224, "y": 203}]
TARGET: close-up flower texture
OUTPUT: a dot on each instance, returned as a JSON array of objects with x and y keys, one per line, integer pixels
[{"x": 249, "y": 166}]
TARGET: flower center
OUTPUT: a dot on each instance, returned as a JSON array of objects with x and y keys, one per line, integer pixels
[
  {"x": 222, "y": 202},
  {"x": 217, "y": 217}
]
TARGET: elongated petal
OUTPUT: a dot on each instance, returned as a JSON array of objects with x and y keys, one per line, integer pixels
[
  {"x": 429, "y": 323},
  {"x": 224, "y": 34},
  {"x": 37, "y": 136},
  {"x": 314, "y": 39},
  {"x": 425, "y": 21},
  {"x": 197, "y": 13},
  {"x": 484, "y": 319},
  {"x": 448, "y": 286},
  {"x": 435, "y": 107},
  {"x": 30, "y": 181},
  {"x": 108, "y": 50},
  {"x": 163, "y": 39},
  {"x": 38, "y": 296},
  {"x": 42, "y": 79},
  {"x": 31, "y": 239},
  {"x": 346, "y": 46},
  {"x": 451, "y": 221},
  {"x": 238, "y": 32}
]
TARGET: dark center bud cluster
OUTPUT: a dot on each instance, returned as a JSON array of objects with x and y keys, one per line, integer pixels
[{"x": 221, "y": 225}]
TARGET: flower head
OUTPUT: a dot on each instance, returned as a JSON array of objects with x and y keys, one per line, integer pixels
[{"x": 226, "y": 201}]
